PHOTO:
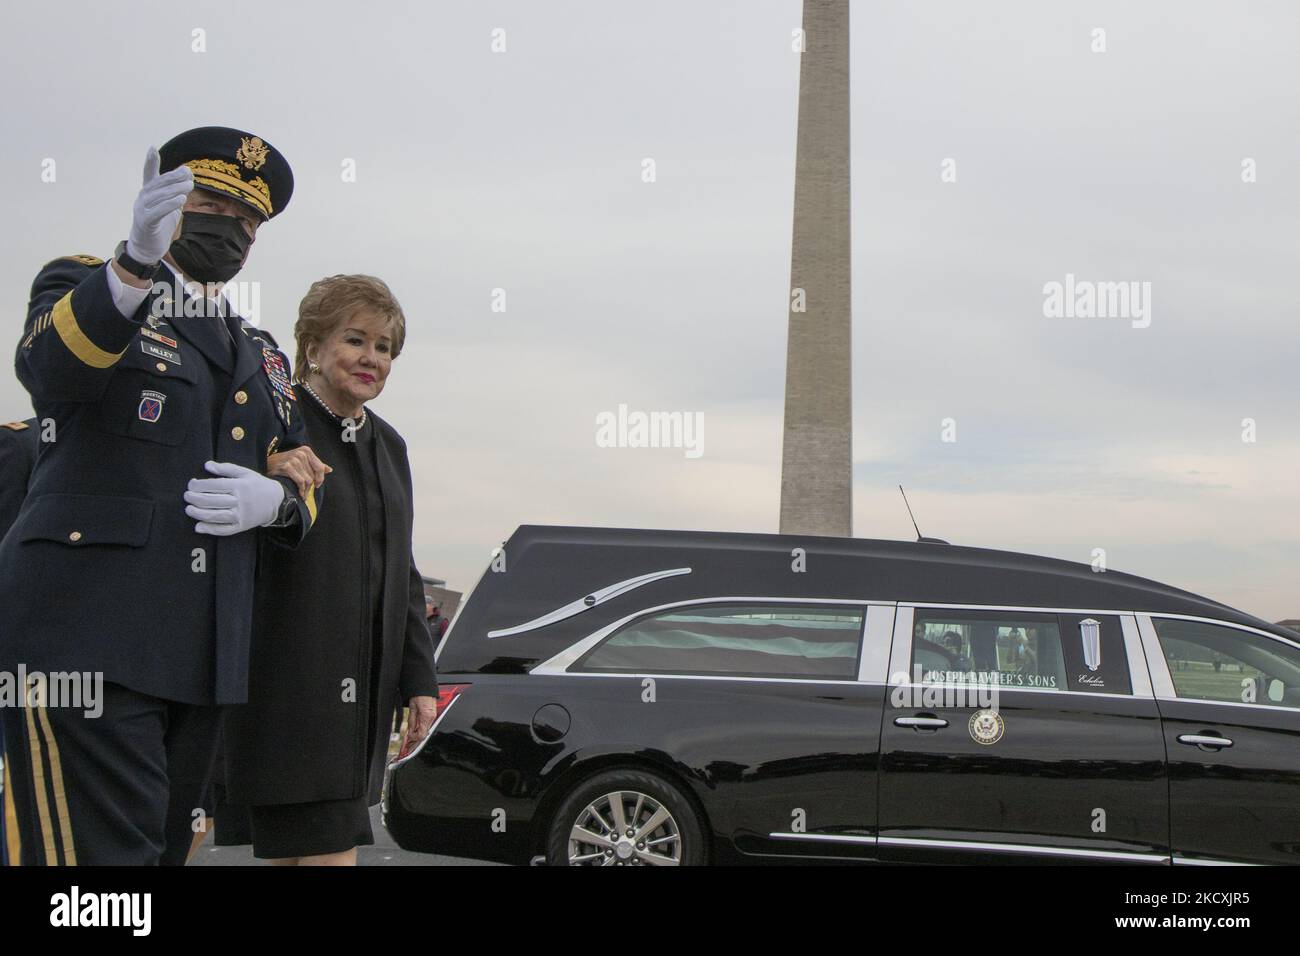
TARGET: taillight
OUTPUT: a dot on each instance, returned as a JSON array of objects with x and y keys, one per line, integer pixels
[{"x": 448, "y": 694}]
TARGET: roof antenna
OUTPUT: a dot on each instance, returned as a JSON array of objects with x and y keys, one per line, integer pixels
[{"x": 919, "y": 537}]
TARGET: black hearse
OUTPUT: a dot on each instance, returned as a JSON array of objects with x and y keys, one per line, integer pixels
[{"x": 624, "y": 697}]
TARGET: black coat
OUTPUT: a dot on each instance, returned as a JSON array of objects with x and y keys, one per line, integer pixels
[{"x": 298, "y": 739}]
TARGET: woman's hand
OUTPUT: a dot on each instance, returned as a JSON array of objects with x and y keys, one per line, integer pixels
[
  {"x": 301, "y": 466},
  {"x": 418, "y": 721}
]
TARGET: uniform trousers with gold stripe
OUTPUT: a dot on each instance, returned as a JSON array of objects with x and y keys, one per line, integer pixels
[{"x": 109, "y": 789}]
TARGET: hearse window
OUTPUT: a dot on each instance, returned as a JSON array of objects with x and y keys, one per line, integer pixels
[
  {"x": 736, "y": 641},
  {"x": 1213, "y": 662},
  {"x": 998, "y": 648}
]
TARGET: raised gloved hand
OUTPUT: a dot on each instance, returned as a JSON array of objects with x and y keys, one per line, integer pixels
[
  {"x": 239, "y": 499},
  {"x": 157, "y": 210}
]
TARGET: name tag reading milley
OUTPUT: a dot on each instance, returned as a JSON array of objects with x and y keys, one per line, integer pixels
[{"x": 158, "y": 351}]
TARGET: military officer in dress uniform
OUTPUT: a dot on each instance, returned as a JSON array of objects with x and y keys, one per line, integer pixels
[
  {"x": 177, "y": 450},
  {"x": 17, "y": 455}
]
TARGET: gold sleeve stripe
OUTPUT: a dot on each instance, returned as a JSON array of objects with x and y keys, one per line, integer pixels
[
  {"x": 38, "y": 781},
  {"x": 12, "y": 839},
  {"x": 65, "y": 323},
  {"x": 311, "y": 503},
  {"x": 60, "y": 794}
]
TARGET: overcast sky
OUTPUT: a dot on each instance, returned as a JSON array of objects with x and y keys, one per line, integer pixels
[{"x": 522, "y": 170}]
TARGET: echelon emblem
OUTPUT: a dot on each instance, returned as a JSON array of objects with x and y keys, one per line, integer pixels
[
  {"x": 986, "y": 727},
  {"x": 151, "y": 405},
  {"x": 273, "y": 365},
  {"x": 1090, "y": 634}
]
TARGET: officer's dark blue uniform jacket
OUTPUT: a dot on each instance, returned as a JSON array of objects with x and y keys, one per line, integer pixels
[{"x": 103, "y": 570}]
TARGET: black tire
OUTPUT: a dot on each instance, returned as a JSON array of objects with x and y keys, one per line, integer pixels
[{"x": 693, "y": 851}]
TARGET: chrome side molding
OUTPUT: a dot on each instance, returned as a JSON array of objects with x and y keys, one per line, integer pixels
[
  {"x": 824, "y": 837},
  {"x": 591, "y": 600},
  {"x": 1033, "y": 849}
]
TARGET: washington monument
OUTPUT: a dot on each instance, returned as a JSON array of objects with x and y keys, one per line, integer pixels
[{"x": 817, "y": 452}]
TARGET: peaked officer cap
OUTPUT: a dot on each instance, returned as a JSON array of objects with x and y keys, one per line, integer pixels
[{"x": 235, "y": 163}]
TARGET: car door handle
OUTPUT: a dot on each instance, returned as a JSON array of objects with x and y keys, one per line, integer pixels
[
  {"x": 1204, "y": 740},
  {"x": 921, "y": 723}
]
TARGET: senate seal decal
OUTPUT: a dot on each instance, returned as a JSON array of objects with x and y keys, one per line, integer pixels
[{"x": 986, "y": 727}]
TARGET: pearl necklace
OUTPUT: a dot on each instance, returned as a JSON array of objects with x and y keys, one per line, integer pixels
[{"x": 361, "y": 423}]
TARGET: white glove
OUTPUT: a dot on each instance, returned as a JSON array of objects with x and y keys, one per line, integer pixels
[
  {"x": 238, "y": 500},
  {"x": 157, "y": 210}
]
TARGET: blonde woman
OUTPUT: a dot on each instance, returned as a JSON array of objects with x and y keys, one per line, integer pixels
[{"x": 340, "y": 640}]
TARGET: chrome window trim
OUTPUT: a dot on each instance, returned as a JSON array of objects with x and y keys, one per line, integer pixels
[
  {"x": 588, "y": 601},
  {"x": 559, "y": 664},
  {"x": 970, "y": 688},
  {"x": 1230, "y": 703},
  {"x": 1139, "y": 681},
  {"x": 1164, "y": 681},
  {"x": 1013, "y": 607},
  {"x": 1236, "y": 627},
  {"x": 1027, "y": 848},
  {"x": 900, "y": 648},
  {"x": 1139, "y": 670},
  {"x": 877, "y": 640},
  {"x": 1161, "y": 683},
  {"x": 824, "y": 837},
  {"x": 640, "y": 675}
]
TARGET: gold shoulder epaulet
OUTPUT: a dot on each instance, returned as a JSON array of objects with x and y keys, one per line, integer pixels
[
  {"x": 86, "y": 260},
  {"x": 15, "y": 426}
]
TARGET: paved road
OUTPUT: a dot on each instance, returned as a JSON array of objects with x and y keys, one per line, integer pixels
[{"x": 383, "y": 853}]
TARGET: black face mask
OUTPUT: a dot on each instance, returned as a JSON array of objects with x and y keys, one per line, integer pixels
[{"x": 210, "y": 248}]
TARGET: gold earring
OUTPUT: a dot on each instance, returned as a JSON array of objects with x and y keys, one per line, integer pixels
[{"x": 313, "y": 368}]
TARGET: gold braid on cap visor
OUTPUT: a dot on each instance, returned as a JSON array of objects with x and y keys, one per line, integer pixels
[{"x": 223, "y": 176}]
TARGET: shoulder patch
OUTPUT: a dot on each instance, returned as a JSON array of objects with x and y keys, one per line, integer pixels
[
  {"x": 86, "y": 260},
  {"x": 16, "y": 426}
]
